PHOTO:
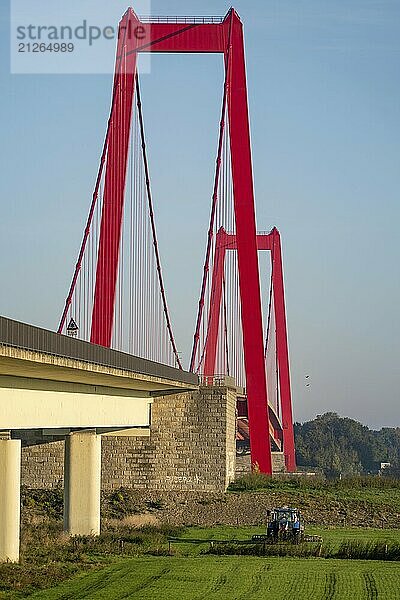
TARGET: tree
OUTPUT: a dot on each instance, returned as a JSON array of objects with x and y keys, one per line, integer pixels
[{"x": 343, "y": 446}]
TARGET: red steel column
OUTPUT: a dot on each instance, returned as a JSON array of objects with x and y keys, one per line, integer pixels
[
  {"x": 283, "y": 353},
  {"x": 114, "y": 187},
  {"x": 215, "y": 304},
  {"x": 250, "y": 294}
]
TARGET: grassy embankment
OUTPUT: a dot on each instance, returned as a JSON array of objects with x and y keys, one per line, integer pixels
[{"x": 373, "y": 491}]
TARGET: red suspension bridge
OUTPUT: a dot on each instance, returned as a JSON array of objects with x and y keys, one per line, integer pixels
[{"x": 117, "y": 296}]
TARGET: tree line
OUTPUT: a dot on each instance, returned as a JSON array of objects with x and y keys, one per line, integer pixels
[{"x": 340, "y": 446}]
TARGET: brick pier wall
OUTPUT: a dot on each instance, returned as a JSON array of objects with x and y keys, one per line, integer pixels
[
  {"x": 191, "y": 447},
  {"x": 243, "y": 464}
]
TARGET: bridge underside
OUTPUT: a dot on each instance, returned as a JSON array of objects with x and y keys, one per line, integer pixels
[
  {"x": 51, "y": 381},
  {"x": 74, "y": 390}
]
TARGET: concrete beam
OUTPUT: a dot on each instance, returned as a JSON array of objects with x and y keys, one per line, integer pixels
[
  {"x": 82, "y": 477},
  {"x": 10, "y": 480},
  {"x": 41, "y": 404},
  {"x": 141, "y": 375}
]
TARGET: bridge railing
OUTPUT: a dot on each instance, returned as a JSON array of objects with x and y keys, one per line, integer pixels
[
  {"x": 217, "y": 381},
  {"x": 180, "y": 19}
]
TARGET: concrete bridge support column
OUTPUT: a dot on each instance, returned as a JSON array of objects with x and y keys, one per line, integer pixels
[
  {"x": 10, "y": 481},
  {"x": 82, "y": 475}
]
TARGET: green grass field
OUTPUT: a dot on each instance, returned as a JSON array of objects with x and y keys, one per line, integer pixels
[
  {"x": 333, "y": 536},
  {"x": 130, "y": 562},
  {"x": 233, "y": 578},
  {"x": 190, "y": 575},
  {"x": 141, "y": 568}
]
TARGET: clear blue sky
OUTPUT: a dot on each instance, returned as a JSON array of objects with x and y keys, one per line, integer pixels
[{"x": 324, "y": 93}]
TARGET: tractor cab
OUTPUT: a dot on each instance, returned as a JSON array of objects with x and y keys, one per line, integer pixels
[{"x": 285, "y": 523}]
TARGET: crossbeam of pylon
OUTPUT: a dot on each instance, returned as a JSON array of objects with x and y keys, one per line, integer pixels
[{"x": 227, "y": 242}]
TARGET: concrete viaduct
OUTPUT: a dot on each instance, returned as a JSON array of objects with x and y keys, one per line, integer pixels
[{"x": 62, "y": 386}]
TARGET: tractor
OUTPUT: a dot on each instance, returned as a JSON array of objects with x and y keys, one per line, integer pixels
[{"x": 284, "y": 525}]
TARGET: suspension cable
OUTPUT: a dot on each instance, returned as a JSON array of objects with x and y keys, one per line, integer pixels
[
  {"x": 225, "y": 326},
  {"x": 95, "y": 193},
  {"x": 153, "y": 225}
]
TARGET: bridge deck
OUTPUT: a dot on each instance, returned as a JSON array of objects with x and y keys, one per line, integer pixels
[
  {"x": 51, "y": 381},
  {"x": 36, "y": 352}
]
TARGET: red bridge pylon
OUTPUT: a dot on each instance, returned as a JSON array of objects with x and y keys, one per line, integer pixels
[
  {"x": 281, "y": 409},
  {"x": 233, "y": 186}
]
